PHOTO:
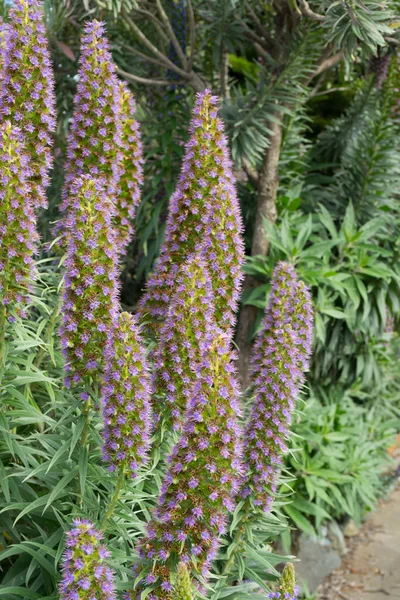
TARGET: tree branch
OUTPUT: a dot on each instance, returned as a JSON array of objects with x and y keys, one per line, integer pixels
[
  {"x": 250, "y": 172},
  {"x": 148, "y": 15},
  {"x": 192, "y": 32},
  {"x": 144, "y": 80},
  {"x": 308, "y": 12},
  {"x": 153, "y": 49},
  {"x": 171, "y": 34}
]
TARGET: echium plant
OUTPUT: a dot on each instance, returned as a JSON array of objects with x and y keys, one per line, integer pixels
[
  {"x": 18, "y": 234},
  {"x": 85, "y": 574},
  {"x": 202, "y": 479},
  {"x": 126, "y": 398},
  {"x": 203, "y": 213},
  {"x": 280, "y": 357},
  {"x": 90, "y": 302},
  {"x": 183, "y": 340},
  {"x": 131, "y": 171},
  {"x": 94, "y": 139},
  {"x": 27, "y": 89}
]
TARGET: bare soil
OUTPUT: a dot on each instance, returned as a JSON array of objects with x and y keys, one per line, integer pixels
[{"x": 371, "y": 569}]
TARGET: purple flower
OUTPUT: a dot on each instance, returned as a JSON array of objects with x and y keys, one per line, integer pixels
[
  {"x": 183, "y": 338},
  {"x": 126, "y": 398},
  {"x": 131, "y": 170},
  {"x": 280, "y": 358},
  {"x": 27, "y": 90},
  {"x": 97, "y": 104},
  {"x": 18, "y": 234},
  {"x": 83, "y": 339},
  {"x": 186, "y": 509},
  {"x": 203, "y": 217},
  {"x": 84, "y": 574}
]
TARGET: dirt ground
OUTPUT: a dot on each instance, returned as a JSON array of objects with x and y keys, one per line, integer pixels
[{"x": 371, "y": 569}]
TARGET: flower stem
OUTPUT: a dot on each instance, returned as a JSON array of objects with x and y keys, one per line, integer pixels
[
  {"x": 3, "y": 322},
  {"x": 115, "y": 498}
]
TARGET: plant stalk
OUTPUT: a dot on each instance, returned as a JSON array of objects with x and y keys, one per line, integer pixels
[{"x": 114, "y": 499}]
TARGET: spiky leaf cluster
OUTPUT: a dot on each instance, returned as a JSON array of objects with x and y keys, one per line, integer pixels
[
  {"x": 85, "y": 575},
  {"x": 94, "y": 140},
  {"x": 90, "y": 302},
  {"x": 183, "y": 340},
  {"x": 126, "y": 398},
  {"x": 18, "y": 234},
  {"x": 202, "y": 479},
  {"x": 131, "y": 176},
  {"x": 205, "y": 191},
  {"x": 27, "y": 90},
  {"x": 280, "y": 357}
]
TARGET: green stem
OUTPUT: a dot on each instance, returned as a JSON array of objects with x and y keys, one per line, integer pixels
[
  {"x": 85, "y": 430},
  {"x": 237, "y": 542},
  {"x": 115, "y": 498},
  {"x": 3, "y": 322},
  {"x": 48, "y": 335}
]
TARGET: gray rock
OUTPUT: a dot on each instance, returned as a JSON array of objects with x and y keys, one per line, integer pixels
[{"x": 318, "y": 558}]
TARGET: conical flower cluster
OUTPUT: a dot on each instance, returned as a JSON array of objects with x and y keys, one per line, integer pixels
[
  {"x": 287, "y": 588},
  {"x": 131, "y": 179},
  {"x": 90, "y": 299},
  {"x": 184, "y": 337},
  {"x": 94, "y": 140},
  {"x": 183, "y": 585},
  {"x": 126, "y": 398},
  {"x": 85, "y": 575},
  {"x": 203, "y": 213},
  {"x": 27, "y": 89},
  {"x": 18, "y": 234},
  {"x": 203, "y": 476},
  {"x": 281, "y": 354}
]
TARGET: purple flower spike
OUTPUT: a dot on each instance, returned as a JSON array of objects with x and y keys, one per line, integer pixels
[
  {"x": 203, "y": 477},
  {"x": 126, "y": 398},
  {"x": 85, "y": 575},
  {"x": 18, "y": 234},
  {"x": 90, "y": 298},
  {"x": 27, "y": 90},
  {"x": 184, "y": 337},
  {"x": 94, "y": 140},
  {"x": 280, "y": 358},
  {"x": 128, "y": 194},
  {"x": 203, "y": 216}
]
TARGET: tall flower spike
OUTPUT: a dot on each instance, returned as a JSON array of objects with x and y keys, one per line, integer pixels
[
  {"x": 94, "y": 140},
  {"x": 203, "y": 211},
  {"x": 126, "y": 398},
  {"x": 90, "y": 298},
  {"x": 287, "y": 588},
  {"x": 280, "y": 357},
  {"x": 85, "y": 575},
  {"x": 18, "y": 234},
  {"x": 27, "y": 92},
  {"x": 183, "y": 585},
  {"x": 184, "y": 337},
  {"x": 128, "y": 195},
  {"x": 202, "y": 479}
]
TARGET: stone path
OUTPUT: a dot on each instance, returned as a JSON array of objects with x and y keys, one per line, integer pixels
[{"x": 371, "y": 570}]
